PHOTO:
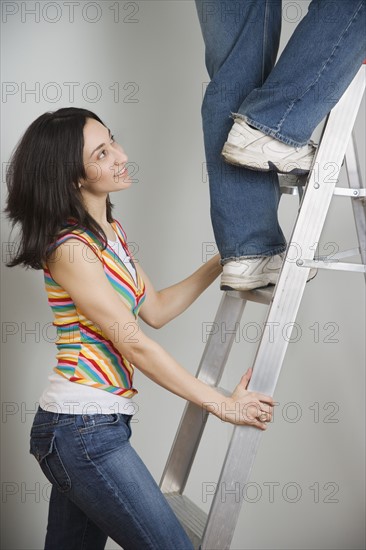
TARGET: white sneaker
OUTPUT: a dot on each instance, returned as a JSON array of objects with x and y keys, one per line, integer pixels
[
  {"x": 249, "y": 147},
  {"x": 247, "y": 274}
]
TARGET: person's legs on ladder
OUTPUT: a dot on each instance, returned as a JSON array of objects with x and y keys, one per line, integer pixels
[
  {"x": 274, "y": 120},
  {"x": 241, "y": 40}
]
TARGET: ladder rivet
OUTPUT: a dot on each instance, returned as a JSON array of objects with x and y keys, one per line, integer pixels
[
  {"x": 316, "y": 185},
  {"x": 356, "y": 193},
  {"x": 300, "y": 262}
]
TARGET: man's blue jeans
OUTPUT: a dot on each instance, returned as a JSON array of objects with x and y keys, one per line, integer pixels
[
  {"x": 100, "y": 486},
  {"x": 288, "y": 101}
]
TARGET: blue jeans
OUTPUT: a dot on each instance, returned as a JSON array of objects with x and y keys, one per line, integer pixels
[
  {"x": 100, "y": 486},
  {"x": 286, "y": 101}
]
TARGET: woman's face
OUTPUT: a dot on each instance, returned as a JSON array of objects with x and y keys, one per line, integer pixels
[{"x": 104, "y": 161}]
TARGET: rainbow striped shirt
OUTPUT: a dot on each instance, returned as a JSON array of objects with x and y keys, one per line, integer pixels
[{"x": 85, "y": 355}]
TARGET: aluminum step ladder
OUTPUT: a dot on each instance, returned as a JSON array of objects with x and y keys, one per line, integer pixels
[{"x": 216, "y": 530}]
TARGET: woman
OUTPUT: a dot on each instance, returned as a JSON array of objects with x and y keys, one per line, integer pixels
[{"x": 61, "y": 174}]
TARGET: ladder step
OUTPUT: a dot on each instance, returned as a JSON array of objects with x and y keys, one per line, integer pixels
[
  {"x": 290, "y": 189},
  {"x": 190, "y": 516},
  {"x": 260, "y": 295}
]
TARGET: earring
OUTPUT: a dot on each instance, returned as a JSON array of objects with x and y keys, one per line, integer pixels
[{"x": 80, "y": 185}]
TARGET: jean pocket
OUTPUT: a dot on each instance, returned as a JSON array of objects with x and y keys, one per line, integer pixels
[
  {"x": 89, "y": 422},
  {"x": 103, "y": 439},
  {"x": 43, "y": 448}
]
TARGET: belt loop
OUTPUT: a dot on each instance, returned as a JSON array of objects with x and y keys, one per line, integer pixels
[{"x": 88, "y": 420}]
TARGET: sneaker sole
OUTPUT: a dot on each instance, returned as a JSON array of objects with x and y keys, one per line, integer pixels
[
  {"x": 240, "y": 288},
  {"x": 233, "y": 283},
  {"x": 234, "y": 155},
  {"x": 240, "y": 285}
]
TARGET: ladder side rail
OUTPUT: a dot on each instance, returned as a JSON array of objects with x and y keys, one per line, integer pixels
[
  {"x": 211, "y": 367},
  {"x": 245, "y": 441},
  {"x": 354, "y": 175}
]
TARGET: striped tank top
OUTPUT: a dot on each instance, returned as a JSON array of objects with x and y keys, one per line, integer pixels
[{"x": 84, "y": 354}]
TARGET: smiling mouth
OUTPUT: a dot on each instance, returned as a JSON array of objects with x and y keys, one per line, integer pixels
[{"x": 121, "y": 171}]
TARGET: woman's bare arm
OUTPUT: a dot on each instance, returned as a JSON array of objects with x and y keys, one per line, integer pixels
[
  {"x": 88, "y": 286},
  {"x": 162, "y": 306}
]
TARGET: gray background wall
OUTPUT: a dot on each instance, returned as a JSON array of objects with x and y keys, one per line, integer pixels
[{"x": 307, "y": 486}]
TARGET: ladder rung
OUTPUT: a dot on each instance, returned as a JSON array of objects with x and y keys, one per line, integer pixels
[
  {"x": 335, "y": 265},
  {"x": 339, "y": 255},
  {"x": 346, "y": 192},
  {"x": 190, "y": 516}
]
